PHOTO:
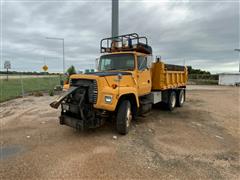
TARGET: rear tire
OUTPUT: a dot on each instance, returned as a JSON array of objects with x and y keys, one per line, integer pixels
[
  {"x": 172, "y": 99},
  {"x": 180, "y": 98},
  {"x": 124, "y": 117}
]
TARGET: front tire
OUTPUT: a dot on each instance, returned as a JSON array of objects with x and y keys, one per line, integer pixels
[{"x": 124, "y": 117}]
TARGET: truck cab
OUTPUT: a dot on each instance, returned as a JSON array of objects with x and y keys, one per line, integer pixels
[{"x": 121, "y": 88}]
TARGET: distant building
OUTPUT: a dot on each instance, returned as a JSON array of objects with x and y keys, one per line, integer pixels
[{"x": 229, "y": 79}]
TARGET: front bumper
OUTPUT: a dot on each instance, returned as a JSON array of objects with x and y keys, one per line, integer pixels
[{"x": 72, "y": 122}]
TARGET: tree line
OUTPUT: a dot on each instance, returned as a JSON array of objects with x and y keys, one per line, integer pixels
[
  {"x": 28, "y": 73},
  {"x": 201, "y": 74}
]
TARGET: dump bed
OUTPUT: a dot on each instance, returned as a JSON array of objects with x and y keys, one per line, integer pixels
[{"x": 167, "y": 76}]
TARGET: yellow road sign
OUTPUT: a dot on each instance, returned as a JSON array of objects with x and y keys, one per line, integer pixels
[{"x": 45, "y": 67}]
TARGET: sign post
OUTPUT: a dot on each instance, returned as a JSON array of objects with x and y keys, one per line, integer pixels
[{"x": 7, "y": 65}]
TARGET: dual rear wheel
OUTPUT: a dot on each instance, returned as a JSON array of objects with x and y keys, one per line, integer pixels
[{"x": 175, "y": 98}]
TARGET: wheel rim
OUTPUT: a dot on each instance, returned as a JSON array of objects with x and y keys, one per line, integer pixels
[
  {"x": 181, "y": 98},
  {"x": 173, "y": 101},
  {"x": 129, "y": 117}
]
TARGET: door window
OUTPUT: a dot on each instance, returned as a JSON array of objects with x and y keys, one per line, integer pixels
[{"x": 142, "y": 62}]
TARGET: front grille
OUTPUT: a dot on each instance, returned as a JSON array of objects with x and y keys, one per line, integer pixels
[
  {"x": 89, "y": 85},
  {"x": 95, "y": 91}
]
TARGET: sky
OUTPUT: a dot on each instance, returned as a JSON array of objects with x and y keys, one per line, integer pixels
[{"x": 202, "y": 34}]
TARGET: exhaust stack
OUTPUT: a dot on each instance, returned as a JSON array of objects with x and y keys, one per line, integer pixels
[{"x": 115, "y": 18}]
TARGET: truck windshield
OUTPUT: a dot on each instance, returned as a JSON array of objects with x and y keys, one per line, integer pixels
[{"x": 116, "y": 62}]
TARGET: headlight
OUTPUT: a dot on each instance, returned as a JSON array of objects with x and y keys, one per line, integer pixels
[{"x": 108, "y": 99}]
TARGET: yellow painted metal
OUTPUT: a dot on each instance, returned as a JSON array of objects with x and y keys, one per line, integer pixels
[
  {"x": 164, "y": 79},
  {"x": 66, "y": 86},
  {"x": 127, "y": 85},
  {"x": 137, "y": 84}
]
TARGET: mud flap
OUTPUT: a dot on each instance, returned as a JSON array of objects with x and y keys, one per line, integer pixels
[{"x": 55, "y": 104}]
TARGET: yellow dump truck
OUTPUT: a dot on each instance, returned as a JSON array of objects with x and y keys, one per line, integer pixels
[{"x": 128, "y": 82}]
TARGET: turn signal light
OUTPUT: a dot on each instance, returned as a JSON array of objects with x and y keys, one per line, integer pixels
[{"x": 114, "y": 86}]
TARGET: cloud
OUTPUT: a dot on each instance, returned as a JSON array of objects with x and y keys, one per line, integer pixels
[{"x": 201, "y": 34}]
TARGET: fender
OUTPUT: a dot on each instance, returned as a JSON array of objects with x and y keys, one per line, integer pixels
[
  {"x": 116, "y": 95},
  {"x": 128, "y": 92}
]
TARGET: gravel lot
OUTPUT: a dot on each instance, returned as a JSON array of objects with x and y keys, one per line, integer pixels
[{"x": 197, "y": 141}]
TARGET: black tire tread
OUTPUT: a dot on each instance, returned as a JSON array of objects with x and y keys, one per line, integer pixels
[
  {"x": 121, "y": 117},
  {"x": 178, "y": 103},
  {"x": 171, "y": 93}
]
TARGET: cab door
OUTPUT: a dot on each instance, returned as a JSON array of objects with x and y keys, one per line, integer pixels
[{"x": 143, "y": 76}]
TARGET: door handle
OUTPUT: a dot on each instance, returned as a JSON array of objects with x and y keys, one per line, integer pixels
[{"x": 148, "y": 81}]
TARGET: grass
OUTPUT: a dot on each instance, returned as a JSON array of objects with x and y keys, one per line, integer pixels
[{"x": 13, "y": 87}]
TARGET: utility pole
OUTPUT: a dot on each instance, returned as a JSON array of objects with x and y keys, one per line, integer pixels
[
  {"x": 63, "y": 53},
  {"x": 238, "y": 50},
  {"x": 115, "y": 18}
]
